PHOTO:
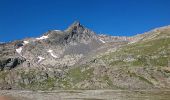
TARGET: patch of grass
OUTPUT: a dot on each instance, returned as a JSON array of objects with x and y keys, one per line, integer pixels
[
  {"x": 161, "y": 61},
  {"x": 65, "y": 83},
  {"x": 148, "y": 47},
  {"x": 48, "y": 83},
  {"x": 117, "y": 62},
  {"x": 132, "y": 74},
  {"x": 142, "y": 52},
  {"x": 107, "y": 80},
  {"x": 29, "y": 81},
  {"x": 140, "y": 62},
  {"x": 144, "y": 48},
  {"x": 3, "y": 74},
  {"x": 22, "y": 85},
  {"x": 77, "y": 75},
  {"x": 37, "y": 85}
]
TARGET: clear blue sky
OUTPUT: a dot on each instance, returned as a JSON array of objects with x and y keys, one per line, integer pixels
[{"x": 31, "y": 18}]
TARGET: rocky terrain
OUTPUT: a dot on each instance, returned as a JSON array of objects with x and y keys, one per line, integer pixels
[{"x": 78, "y": 58}]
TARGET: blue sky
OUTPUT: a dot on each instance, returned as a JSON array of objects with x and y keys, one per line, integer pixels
[{"x": 31, "y": 18}]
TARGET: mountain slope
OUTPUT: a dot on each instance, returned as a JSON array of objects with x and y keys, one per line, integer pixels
[{"x": 77, "y": 58}]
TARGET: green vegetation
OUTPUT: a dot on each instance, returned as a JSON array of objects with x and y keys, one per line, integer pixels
[
  {"x": 30, "y": 81},
  {"x": 65, "y": 83},
  {"x": 142, "y": 61},
  {"x": 117, "y": 63},
  {"x": 132, "y": 74},
  {"x": 146, "y": 53},
  {"x": 149, "y": 48},
  {"x": 77, "y": 75},
  {"x": 161, "y": 61},
  {"x": 3, "y": 74},
  {"x": 107, "y": 80}
]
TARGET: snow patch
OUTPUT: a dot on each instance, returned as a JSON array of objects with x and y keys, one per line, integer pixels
[
  {"x": 19, "y": 50},
  {"x": 56, "y": 30},
  {"x": 43, "y": 37},
  {"x": 25, "y": 42},
  {"x": 102, "y": 41},
  {"x": 134, "y": 41},
  {"x": 54, "y": 55},
  {"x": 40, "y": 59},
  {"x": 51, "y": 53}
]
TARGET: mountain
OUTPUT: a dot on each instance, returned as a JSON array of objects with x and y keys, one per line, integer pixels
[{"x": 78, "y": 58}]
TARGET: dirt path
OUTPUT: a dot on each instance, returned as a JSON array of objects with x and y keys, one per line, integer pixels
[{"x": 85, "y": 95}]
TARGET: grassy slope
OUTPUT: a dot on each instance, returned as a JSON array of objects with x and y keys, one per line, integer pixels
[{"x": 146, "y": 60}]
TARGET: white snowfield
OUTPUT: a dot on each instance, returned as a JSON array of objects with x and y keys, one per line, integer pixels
[
  {"x": 42, "y": 37},
  {"x": 18, "y": 50},
  {"x": 134, "y": 41},
  {"x": 51, "y": 52},
  {"x": 40, "y": 59},
  {"x": 26, "y": 42},
  {"x": 102, "y": 41},
  {"x": 57, "y": 30}
]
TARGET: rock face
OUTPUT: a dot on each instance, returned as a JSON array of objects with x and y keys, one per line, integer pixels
[
  {"x": 60, "y": 48},
  {"x": 10, "y": 63},
  {"x": 78, "y": 58}
]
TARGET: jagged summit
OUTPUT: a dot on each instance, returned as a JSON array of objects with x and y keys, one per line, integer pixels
[
  {"x": 75, "y": 26},
  {"x": 75, "y": 33},
  {"x": 76, "y": 23}
]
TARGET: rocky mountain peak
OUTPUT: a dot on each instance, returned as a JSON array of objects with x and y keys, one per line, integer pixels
[
  {"x": 76, "y": 23},
  {"x": 75, "y": 26},
  {"x": 76, "y": 32}
]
